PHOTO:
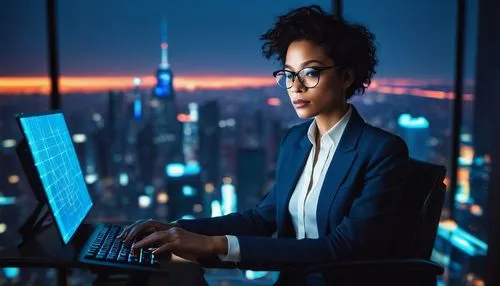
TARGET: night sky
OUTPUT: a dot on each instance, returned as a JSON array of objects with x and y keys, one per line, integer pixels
[{"x": 218, "y": 37}]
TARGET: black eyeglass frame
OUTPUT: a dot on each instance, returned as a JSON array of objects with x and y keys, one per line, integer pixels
[{"x": 320, "y": 69}]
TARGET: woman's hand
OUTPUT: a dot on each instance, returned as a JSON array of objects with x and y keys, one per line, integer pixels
[
  {"x": 184, "y": 243},
  {"x": 141, "y": 227}
]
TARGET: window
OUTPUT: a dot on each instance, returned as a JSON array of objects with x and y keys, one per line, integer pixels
[
  {"x": 24, "y": 87},
  {"x": 172, "y": 100},
  {"x": 415, "y": 88}
]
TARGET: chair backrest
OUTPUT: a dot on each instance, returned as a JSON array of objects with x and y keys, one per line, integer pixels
[{"x": 424, "y": 198}]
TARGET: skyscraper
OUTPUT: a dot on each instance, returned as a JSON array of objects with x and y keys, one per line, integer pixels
[
  {"x": 186, "y": 194},
  {"x": 209, "y": 134},
  {"x": 191, "y": 140},
  {"x": 116, "y": 125},
  {"x": 146, "y": 153},
  {"x": 166, "y": 129},
  {"x": 415, "y": 132}
]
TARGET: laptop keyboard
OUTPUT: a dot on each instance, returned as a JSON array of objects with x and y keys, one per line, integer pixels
[{"x": 106, "y": 247}]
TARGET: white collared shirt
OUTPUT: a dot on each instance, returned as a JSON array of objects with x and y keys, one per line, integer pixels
[{"x": 304, "y": 201}]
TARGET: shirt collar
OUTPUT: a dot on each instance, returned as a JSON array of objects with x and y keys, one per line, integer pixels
[{"x": 333, "y": 135}]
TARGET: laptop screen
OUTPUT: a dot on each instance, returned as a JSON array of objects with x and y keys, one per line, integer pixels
[{"x": 55, "y": 160}]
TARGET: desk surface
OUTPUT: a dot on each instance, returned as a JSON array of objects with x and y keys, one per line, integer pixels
[{"x": 47, "y": 251}]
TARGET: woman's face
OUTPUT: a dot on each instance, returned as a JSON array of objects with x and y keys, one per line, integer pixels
[{"x": 328, "y": 95}]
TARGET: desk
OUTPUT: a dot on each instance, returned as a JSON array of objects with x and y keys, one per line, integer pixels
[{"x": 46, "y": 251}]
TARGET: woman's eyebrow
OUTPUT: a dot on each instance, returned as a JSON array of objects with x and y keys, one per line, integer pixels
[{"x": 306, "y": 63}]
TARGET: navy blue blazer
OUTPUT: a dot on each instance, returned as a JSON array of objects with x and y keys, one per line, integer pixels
[{"x": 357, "y": 214}]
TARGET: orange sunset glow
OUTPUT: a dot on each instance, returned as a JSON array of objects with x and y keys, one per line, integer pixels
[
  {"x": 67, "y": 84},
  {"x": 92, "y": 84}
]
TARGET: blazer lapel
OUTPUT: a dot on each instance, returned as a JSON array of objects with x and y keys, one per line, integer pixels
[
  {"x": 342, "y": 161},
  {"x": 294, "y": 164}
]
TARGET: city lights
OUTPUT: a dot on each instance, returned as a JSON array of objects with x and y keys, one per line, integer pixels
[
  {"x": 79, "y": 138},
  {"x": 13, "y": 179},
  {"x": 254, "y": 275},
  {"x": 175, "y": 170},
  {"x": 144, "y": 202},
  {"x": 197, "y": 208},
  {"x": 188, "y": 191},
  {"x": 123, "y": 180},
  {"x": 407, "y": 121},
  {"x": 11, "y": 272},
  {"x": 8, "y": 143},
  {"x": 177, "y": 138},
  {"x": 229, "y": 200},
  {"x": 137, "y": 81},
  {"x": 227, "y": 180},
  {"x": 6, "y": 201},
  {"x": 97, "y": 117},
  {"x": 3, "y": 228},
  {"x": 230, "y": 122},
  {"x": 192, "y": 168},
  {"x": 209, "y": 188},
  {"x": 162, "y": 198},
  {"x": 274, "y": 101},
  {"x": 137, "y": 109},
  {"x": 216, "y": 209},
  {"x": 193, "y": 111},
  {"x": 91, "y": 178},
  {"x": 476, "y": 210}
]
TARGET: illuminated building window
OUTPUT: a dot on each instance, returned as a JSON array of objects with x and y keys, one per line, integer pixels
[
  {"x": 209, "y": 188},
  {"x": 3, "y": 228},
  {"x": 144, "y": 202},
  {"x": 11, "y": 272},
  {"x": 123, "y": 179},
  {"x": 90, "y": 179},
  {"x": 13, "y": 179},
  {"x": 188, "y": 191},
  {"x": 162, "y": 198},
  {"x": 8, "y": 143},
  {"x": 79, "y": 138},
  {"x": 274, "y": 101},
  {"x": 175, "y": 170},
  {"x": 197, "y": 208},
  {"x": 216, "y": 209}
]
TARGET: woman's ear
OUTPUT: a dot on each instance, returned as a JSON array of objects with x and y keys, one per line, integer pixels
[{"x": 348, "y": 78}]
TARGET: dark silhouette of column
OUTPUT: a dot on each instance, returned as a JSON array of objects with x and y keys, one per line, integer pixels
[{"x": 55, "y": 97}]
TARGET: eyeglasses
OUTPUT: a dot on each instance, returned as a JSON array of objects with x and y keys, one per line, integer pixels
[{"x": 308, "y": 76}]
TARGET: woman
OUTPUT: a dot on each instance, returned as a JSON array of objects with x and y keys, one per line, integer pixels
[{"x": 338, "y": 179}]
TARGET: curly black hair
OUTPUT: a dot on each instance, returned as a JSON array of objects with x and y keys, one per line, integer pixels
[{"x": 349, "y": 45}]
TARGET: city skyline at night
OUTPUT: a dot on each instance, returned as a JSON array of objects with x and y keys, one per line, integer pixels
[{"x": 177, "y": 133}]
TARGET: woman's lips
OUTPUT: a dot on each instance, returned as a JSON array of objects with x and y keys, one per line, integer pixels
[{"x": 300, "y": 103}]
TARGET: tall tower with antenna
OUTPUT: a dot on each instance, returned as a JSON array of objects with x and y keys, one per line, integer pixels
[
  {"x": 167, "y": 132},
  {"x": 164, "y": 75}
]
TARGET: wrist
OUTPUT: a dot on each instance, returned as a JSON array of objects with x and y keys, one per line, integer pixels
[{"x": 220, "y": 245}]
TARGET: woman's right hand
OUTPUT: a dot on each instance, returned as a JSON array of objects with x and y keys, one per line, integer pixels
[{"x": 143, "y": 226}]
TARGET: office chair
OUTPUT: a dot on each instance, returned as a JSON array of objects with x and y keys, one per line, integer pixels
[{"x": 423, "y": 199}]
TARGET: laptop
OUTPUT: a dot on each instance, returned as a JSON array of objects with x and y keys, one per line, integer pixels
[{"x": 52, "y": 167}]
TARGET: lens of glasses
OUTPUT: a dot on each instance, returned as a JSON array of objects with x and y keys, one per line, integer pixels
[
  {"x": 284, "y": 79},
  {"x": 309, "y": 77}
]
